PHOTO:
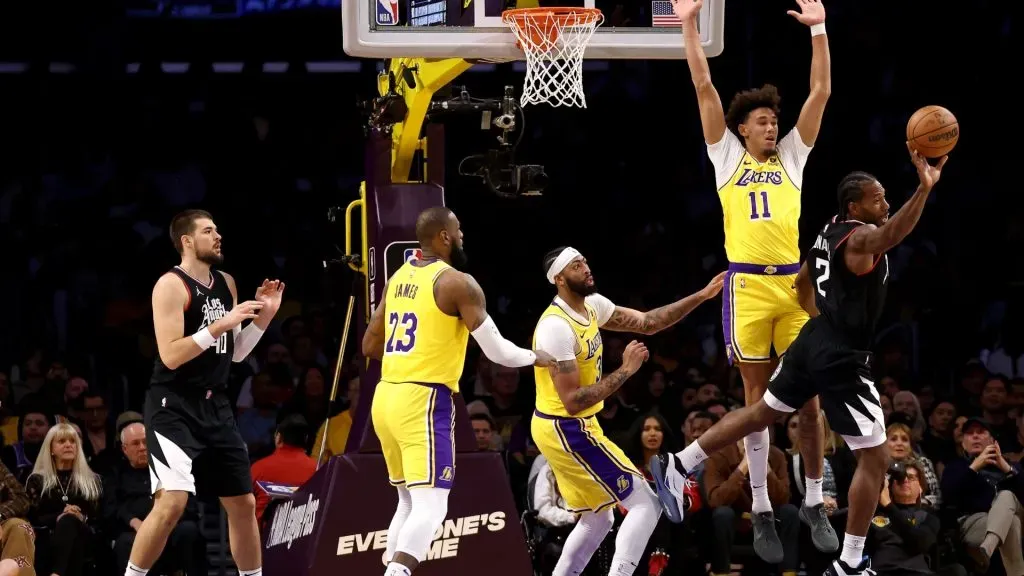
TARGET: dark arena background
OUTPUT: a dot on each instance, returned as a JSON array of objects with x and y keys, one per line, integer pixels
[{"x": 116, "y": 116}]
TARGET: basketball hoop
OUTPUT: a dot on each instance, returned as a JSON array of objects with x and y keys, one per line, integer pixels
[{"x": 554, "y": 40}]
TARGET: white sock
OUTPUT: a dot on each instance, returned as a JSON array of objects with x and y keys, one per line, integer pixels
[
  {"x": 853, "y": 550},
  {"x": 757, "y": 445},
  {"x": 692, "y": 456},
  {"x": 256, "y": 572},
  {"x": 813, "y": 496},
  {"x": 395, "y": 569},
  {"x": 134, "y": 570}
]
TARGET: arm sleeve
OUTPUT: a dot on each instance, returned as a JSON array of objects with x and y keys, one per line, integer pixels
[
  {"x": 498, "y": 349},
  {"x": 793, "y": 154},
  {"x": 245, "y": 341},
  {"x": 555, "y": 337},
  {"x": 603, "y": 306},
  {"x": 725, "y": 155}
]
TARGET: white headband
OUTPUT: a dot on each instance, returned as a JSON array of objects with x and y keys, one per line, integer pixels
[{"x": 559, "y": 264}]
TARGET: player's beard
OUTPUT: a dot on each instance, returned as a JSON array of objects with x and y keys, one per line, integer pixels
[
  {"x": 458, "y": 257},
  {"x": 210, "y": 258},
  {"x": 581, "y": 288}
]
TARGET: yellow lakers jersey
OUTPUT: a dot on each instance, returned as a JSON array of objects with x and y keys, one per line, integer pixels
[
  {"x": 761, "y": 201},
  {"x": 422, "y": 343},
  {"x": 589, "y": 350}
]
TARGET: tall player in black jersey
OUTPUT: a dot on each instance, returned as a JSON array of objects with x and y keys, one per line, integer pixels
[
  {"x": 844, "y": 277},
  {"x": 190, "y": 429}
]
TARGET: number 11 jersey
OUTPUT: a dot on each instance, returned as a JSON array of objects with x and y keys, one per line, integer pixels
[
  {"x": 423, "y": 345},
  {"x": 760, "y": 200}
]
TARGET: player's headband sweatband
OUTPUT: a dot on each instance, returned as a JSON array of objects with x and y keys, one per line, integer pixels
[{"x": 559, "y": 264}]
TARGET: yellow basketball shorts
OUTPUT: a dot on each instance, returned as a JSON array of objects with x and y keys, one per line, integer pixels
[
  {"x": 415, "y": 424},
  {"x": 760, "y": 308},
  {"x": 592, "y": 473}
]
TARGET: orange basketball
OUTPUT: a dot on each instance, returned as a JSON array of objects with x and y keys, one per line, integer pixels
[{"x": 933, "y": 131}]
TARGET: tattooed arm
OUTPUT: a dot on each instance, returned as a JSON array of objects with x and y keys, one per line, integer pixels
[
  {"x": 623, "y": 319},
  {"x": 555, "y": 336}
]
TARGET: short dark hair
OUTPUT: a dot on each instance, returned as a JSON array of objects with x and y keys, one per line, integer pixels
[
  {"x": 184, "y": 224},
  {"x": 743, "y": 103},
  {"x": 293, "y": 430},
  {"x": 430, "y": 222},
  {"x": 851, "y": 189},
  {"x": 485, "y": 418},
  {"x": 550, "y": 257}
]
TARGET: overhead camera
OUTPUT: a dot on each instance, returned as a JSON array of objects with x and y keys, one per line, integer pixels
[{"x": 497, "y": 167}]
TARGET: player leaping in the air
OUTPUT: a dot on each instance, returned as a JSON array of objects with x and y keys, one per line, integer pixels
[
  {"x": 759, "y": 176},
  {"x": 592, "y": 473},
  {"x": 846, "y": 272},
  {"x": 420, "y": 331}
]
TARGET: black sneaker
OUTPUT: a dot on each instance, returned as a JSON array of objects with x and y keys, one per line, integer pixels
[
  {"x": 840, "y": 568},
  {"x": 766, "y": 540},
  {"x": 822, "y": 533}
]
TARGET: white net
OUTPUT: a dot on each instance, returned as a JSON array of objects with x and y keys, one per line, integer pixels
[{"x": 554, "y": 40}]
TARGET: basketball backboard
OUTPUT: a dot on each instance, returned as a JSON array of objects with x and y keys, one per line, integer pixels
[{"x": 472, "y": 29}]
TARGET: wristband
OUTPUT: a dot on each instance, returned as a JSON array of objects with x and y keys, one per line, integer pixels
[
  {"x": 817, "y": 29},
  {"x": 203, "y": 338}
]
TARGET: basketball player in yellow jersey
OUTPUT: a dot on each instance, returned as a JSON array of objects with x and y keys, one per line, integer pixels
[
  {"x": 592, "y": 473},
  {"x": 420, "y": 331},
  {"x": 759, "y": 176}
]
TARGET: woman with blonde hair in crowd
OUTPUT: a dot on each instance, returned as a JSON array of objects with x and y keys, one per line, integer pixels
[
  {"x": 903, "y": 448},
  {"x": 64, "y": 494},
  {"x": 906, "y": 403}
]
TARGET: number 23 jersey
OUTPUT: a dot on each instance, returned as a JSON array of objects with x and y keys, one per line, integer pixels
[
  {"x": 760, "y": 200},
  {"x": 422, "y": 344}
]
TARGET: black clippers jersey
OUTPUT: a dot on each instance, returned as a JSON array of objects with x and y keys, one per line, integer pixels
[
  {"x": 851, "y": 304},
  {"x": 206, "y": 304}
]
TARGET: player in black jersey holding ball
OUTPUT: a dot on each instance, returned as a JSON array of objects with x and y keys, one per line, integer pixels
[
  {"x": 191, "y": 433},
  {"x": 844, "y": 277}
]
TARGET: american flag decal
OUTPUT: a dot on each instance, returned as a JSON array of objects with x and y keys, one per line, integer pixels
[{"x": 662, "y": 14}]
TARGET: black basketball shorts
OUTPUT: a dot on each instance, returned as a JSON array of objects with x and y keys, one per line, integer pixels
[
  {"x": 818, "y": 363},
  {"x": 193, "y": 440}
]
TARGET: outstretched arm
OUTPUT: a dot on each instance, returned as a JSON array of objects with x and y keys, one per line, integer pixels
[
  {"x": 868, "y": 240},
  {"x": 712, "y": 117},
  {"x": 469, "y": 299},
  {"x": 812, "y": 14},
  {"x": 653, "y": 321}
]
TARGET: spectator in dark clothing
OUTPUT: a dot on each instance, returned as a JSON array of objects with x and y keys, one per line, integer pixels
[
  {"x": 99, "y": 442},
  {"x": 36, "y": 418},
  {"x": 904, "y": 531},
  {"x": 984, "y": 491},
  {"x": 128, "y": 500}
]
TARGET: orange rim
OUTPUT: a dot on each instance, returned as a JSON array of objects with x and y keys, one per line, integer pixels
[{"x": 564, "y": 16}]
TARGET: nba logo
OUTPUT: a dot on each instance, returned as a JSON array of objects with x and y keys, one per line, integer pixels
[
  {"x": 413, "y": 254},
  {"x": 387, "y": 15}
]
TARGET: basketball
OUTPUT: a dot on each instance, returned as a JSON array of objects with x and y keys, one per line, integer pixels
[{"x": 933, "y": 131}]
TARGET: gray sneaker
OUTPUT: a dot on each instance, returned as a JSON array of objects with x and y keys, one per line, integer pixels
[
  {"x": 766, "y": 540},
  {"x": 822, "y": 533}
]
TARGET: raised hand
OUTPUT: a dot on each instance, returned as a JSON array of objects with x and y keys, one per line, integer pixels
[
  {"x": 811, "y": 12},
  {"x": 926, "y": 173},
  {"x": 270, "y": 294},
  {"x": 634, "y": 356},
  {"x": 240, "y": 313},
  {"x": 713, "y": 287},
  {"x": 687, "y": 9}
]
